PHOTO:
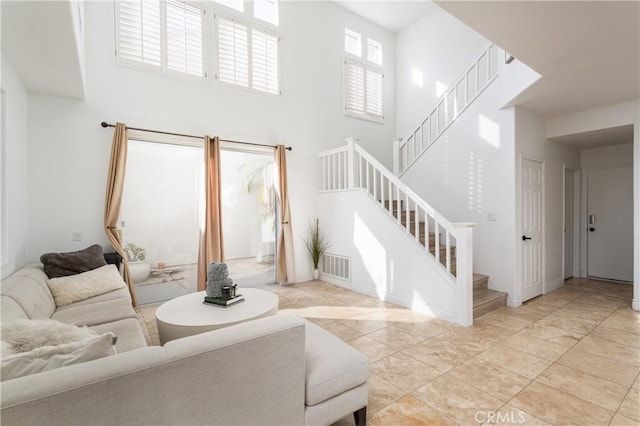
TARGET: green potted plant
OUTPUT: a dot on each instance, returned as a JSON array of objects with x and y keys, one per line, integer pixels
[{"x": 316, "y": 246}]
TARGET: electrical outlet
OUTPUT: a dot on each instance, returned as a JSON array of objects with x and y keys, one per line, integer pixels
[
  {"x": 492, "y": 217},
  {"x": 76, "y": 236}
]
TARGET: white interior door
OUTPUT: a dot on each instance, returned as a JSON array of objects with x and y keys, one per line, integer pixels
[
  {"x": 531, "y": 190},
  {"x": 568, "y": 223},
  {"x": 610, "y": 223}
]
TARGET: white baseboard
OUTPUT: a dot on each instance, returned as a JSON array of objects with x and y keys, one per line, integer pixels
[
  {"x": 514, "y": 302},
  {"x": 635, "y": 305},
  {"x": 554, "y": 285}
]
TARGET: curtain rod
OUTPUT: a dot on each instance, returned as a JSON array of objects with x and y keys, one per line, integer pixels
[{"x": 105, "y": 124}]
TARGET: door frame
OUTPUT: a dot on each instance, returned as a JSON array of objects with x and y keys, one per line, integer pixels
[
  {"x": 576, "y": 220},
  {"x": 516, "y": 300}
]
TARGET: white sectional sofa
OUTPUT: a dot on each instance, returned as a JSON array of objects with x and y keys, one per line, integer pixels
[{"x": 280, "y": 370}]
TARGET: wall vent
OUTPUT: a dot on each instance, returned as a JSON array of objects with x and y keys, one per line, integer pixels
[{"x": 336, "y": 266}]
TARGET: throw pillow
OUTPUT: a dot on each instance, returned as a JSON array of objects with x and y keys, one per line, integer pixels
[
  {"x": 51, "y": 357},
  {"x": 74, "y": 288},
  {"x": 71, "y": 263},
  {"x": 26, "y": 335}
]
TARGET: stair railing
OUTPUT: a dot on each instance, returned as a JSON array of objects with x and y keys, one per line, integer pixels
[
  {"x": 351, "y": 167},
  {"x": 466, "y": 88}
]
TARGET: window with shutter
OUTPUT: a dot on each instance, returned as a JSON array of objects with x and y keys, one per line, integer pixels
[
  {"x": 233, "y": 52},
  {"x": 354, "y": 87},
  {"x": 265, "y": 61},
  {"x": 247, "y": 56},
  {"x": 184, "y": 38},
  {"x": 374, "y": 93},
  {"x": 139, "y": 32},
  {"x": 363, "y": 78},
  {"x": 164, "y": 35}
]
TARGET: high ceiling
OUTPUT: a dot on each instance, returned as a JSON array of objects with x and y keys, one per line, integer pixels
[
  {"x": 391, "y": 15},
  {"x": 588, "y": 53}
]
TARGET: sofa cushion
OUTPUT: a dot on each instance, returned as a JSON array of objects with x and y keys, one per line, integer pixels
[
  {"x": 73, "y": 262},
  {"x": 51, "y": 357},
  {"x": 128, "y": 331},
  {"x": 73, "y": 288},
  {"x": 122, "y": 294},
  {"x": 28, "y": 288},
  {"x": 95, "y": 313},
  {"x": 10, "y": 310},
  {"x": 26, "y": 335},
  {"x": 332, "y": 366}
]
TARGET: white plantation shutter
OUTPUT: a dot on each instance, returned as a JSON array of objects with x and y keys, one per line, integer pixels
[
  {"x": 139, "y": 31},
  {"x": 265, "y": 61},
  {"x": 184, "y": 38},
  {"x": 354, "y": 87},
  {"x": 233, "y": 52},
  {"x": 374, "y": 92}
]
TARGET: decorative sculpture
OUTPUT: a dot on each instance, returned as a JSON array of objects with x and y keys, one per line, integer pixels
[{"x": 218, "y": 277}]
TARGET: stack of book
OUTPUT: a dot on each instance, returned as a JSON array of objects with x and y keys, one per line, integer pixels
[{"x": 219, "y": 301}]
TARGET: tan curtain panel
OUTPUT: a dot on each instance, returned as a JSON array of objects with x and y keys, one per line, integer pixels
[
  {"x": 211, "y": 243},
  {"x": 285, "y": 259},
  {"x": 113, "y": 199}
]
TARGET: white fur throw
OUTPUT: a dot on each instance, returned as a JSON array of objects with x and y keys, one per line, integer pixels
[
  {"x": 74, "y": 288},
  {"x": 26, "y": 335},
  {"x": 49, "y": 357}
]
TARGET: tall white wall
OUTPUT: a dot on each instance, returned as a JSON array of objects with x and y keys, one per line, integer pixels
[
  {"x": 531, "y": 143},
  {"x": 13, "y": 172},
  {"x": 68, "y": 151},
  {"x": 440, "y": 47}
]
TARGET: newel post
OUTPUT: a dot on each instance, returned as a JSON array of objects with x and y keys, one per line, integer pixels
[
  {"x": 351, "y": 175},
  {"x": 396, "y": 156},
  {"x": 464, "y": 273}
]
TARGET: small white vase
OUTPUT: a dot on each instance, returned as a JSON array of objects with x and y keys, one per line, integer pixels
[
  {"x": 139, "y": 271},
  {"x": 316, "y": 274}
]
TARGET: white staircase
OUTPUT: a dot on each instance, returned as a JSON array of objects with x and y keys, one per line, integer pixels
[
  {"x": 448, "y": 250},
  {"x": 445, "y": 247}
]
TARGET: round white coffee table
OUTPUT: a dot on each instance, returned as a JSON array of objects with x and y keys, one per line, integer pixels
[{"x": 187, "y": 315}]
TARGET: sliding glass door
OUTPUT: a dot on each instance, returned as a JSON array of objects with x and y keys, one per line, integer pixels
[
  {"x": 160, "y": 218},
  {"x": 248, "y": 216},
  {"x": 162, "y": 210}
]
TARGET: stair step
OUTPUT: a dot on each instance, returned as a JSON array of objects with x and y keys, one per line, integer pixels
[
  {"x": 412, "y": 228},
  {"x": 432, "y": 239},
  {"x": 486, "y": 300},
  {"x": 394, "y": 204},
  {"x": 403, "y": 218},
  {"x": 443, "y": 253},
  {"x": 480, "y": 281}
]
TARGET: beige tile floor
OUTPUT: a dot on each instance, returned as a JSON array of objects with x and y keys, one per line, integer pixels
[{"x": 569, "y": 357}]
